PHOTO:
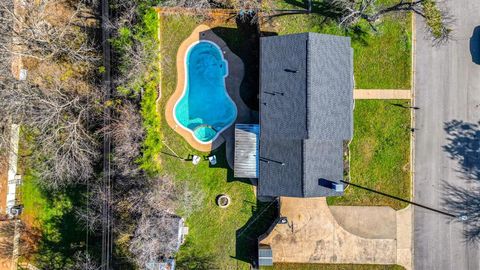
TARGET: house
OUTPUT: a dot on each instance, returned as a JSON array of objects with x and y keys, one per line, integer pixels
[
  {"x": 306, "y": 117},
  {"x": 306, "y": 120}
]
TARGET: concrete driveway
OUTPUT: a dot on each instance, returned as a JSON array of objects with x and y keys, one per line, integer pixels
[
  {"x": 447, "y": 91},
  {"x": 315, "y": 235}
]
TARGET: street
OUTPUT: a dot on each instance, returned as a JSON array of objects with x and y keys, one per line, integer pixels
[{"x": 447, "y": 92}]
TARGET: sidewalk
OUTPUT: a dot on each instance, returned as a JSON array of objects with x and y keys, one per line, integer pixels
[{"x": 382, "y": 94}]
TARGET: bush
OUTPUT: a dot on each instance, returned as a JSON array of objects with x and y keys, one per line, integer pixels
[{"x": 435, "y": 20}]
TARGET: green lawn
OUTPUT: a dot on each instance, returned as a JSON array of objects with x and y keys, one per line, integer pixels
[
  {"x": 300, "y": 266},
  {"x": 216, "y": 236},
  {"x": 379, "y": 153},
  {"x": 50, "y": 217},
  {"x": 382, "y": 60}
]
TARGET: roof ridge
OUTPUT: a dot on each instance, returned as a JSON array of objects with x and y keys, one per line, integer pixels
[
  {"x": 303, "y": 174},
  {"x": 307, "y": 85}
]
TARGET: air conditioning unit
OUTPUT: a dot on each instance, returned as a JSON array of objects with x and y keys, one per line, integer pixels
[{"x": 16, "y": 210}]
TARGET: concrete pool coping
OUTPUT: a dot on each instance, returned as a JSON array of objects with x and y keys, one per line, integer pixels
[{"x": 232, "y": 83}]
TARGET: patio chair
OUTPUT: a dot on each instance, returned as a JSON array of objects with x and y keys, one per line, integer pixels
[
  {"x": 212, "y": 160},
  {"x": 196, "y": 159}
]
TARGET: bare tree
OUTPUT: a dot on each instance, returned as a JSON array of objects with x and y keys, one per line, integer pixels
[
  {"x": 59, "y": 119},
  {"x": 249, "y": 10},
  {"x": 351, "y": 12},
  {"x": 91, "y": 216},
  {"x": 84, "y": 261},
  {"x": 200, "y": 5},
  {"x": 58, "y": 111},
  {"x": 34, "y": 33},
  {"x": 189, "y": 198},
  {"x": 155, "y": 237},
  {"x": 127, "y": 136},
  {"x": 155, "y": 207},
  {"x": 136, "y": 60}
]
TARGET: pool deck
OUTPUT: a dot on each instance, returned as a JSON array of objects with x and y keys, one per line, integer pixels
[{"x": 232, "y": 83}]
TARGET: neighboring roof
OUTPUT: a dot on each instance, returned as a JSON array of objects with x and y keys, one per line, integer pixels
[
  {"x": 246, "y": 151},
  {"x": 306, "y": 87},
  {"x": 299, "y": 168}
]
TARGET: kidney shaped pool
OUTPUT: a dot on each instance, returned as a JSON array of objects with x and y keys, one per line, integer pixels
[{"x": 205, "y": 108}]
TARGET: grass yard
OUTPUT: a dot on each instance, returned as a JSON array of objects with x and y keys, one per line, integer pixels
[
  {"x": 379, "y": 154},
  {"x": 218, "y": 238},
  {"x": 52, "y": 230},
  {"x": 382, "y": 60},
  {"x": 300, "y": 266}
]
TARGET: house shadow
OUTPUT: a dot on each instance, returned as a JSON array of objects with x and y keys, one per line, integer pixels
[
  {"x": 221, "y": 157},
  {"x": 244, "y": 41},
  {"x": 475, "y": 45},
  {"x": 264, "y": 216},
  {"x": 463, "y": 199}
]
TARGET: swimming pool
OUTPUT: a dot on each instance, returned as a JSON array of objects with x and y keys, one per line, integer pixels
[{"x": 205, "y": 109}]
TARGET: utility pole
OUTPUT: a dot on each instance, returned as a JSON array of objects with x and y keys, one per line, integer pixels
[
  {"x": 308, "y": 3},
  {"x": 107, "y": 243}
]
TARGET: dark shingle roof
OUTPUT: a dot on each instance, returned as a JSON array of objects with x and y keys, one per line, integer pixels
[
  {"x": 280, "y": 168},
  {"x": 283, "y": 80},
  {"x": 306, "y": 112},
  {"x": 306, "y": 88},
  {"x": 297, "y": 168}
]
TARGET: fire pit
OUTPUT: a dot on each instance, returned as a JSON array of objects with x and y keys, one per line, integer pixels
[{"x": 223, "y": 201}]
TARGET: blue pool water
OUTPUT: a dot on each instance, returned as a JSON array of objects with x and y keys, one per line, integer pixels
[{"x": 205, "y": 107}]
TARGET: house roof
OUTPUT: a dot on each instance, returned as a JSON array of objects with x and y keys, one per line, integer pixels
[
  {"x": 299, "y": 168},
  {"x": 306, "y": 87},
  {"x": 306, "y": 113}
]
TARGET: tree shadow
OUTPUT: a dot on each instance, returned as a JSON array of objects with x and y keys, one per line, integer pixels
[
  {"x": 464, "y": 201},
  {"x": 264, "y": 214},
  {"x": 464, "y": 146},
  {"x": 197, "y": 261},
  {"x": 475, "y": 45},
  {"x": 194, "y": 260},
  {"x": 329, "y": 11},
  {"x": 61, "y": 236}
]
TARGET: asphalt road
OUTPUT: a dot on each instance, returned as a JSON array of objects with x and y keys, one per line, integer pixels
[{"x": 447, "y": 89}]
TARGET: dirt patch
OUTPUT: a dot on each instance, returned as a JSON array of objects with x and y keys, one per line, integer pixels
[
  {"x": 367, "y": 148},
  {"x": 6, "y": 244},
  {"x": 3, "y": 184}
]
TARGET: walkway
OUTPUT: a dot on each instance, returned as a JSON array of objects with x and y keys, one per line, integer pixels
[
  {"x": 313, "y": 235},
  {"x": 382, "y": 94}
]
